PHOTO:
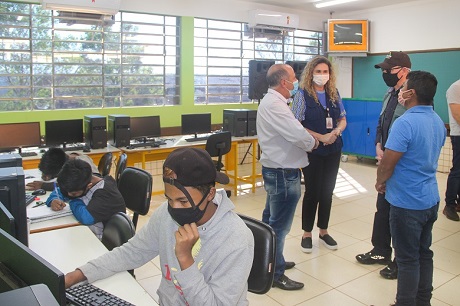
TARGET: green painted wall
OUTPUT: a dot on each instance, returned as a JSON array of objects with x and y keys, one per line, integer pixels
[
  {"x": 444, "y": 65},
  {"x": 170, "y": 115}
]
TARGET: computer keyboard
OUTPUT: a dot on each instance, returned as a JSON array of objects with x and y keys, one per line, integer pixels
[
  {"x": 196, "y": 138},
  {"x": 26, "y": 154},
  {"x": 88, "y": 294},
  {"x": 29, "y": 198}
]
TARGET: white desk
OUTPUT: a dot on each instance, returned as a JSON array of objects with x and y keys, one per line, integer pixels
[
  {"x": 72, "y": 247},
  {"x": 47, "y": 225}
]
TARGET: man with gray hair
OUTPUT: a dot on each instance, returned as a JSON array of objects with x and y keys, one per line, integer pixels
[{"x": 284, "y": 143}]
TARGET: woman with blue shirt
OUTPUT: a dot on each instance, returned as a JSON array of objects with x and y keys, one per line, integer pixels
[{"x": 318, "y": 106}]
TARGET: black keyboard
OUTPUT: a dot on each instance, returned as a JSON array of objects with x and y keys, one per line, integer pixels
[
  {"x": 192, "y": 139},
  {"x": 29, "y": 198},
  {"x": 26, "y": 154},
  {"x": 89, "y": 294},
  {"x": 73, "y": 148}
]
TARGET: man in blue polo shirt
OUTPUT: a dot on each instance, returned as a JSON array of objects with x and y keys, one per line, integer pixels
[{"x": 407, "y": 173}]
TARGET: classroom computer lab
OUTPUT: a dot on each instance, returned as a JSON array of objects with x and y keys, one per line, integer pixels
[{"x": 126, "y": 85}]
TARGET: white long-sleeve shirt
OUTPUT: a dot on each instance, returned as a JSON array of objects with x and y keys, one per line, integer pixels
[{"x": 283, "y": 140}]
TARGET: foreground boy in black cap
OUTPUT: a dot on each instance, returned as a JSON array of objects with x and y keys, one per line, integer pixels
[{"x": 205, "y": 249}]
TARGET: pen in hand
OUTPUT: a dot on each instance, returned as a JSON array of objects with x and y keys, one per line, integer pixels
[
  {"x": 60, "y": 204},
  {"x": 38, "y": 203}
]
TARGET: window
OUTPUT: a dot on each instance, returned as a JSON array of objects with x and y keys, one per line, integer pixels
[
  {"x": 223, "y": 50},
  {"x": 60, "y": 60}
]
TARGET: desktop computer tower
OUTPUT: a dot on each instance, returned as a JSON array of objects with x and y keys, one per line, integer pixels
[
  {"x": 240, "y": 122},
  {"x": 236, "y": 122},
  {"x": 95, "y": 128},
  {"x": 12, "y": 196},
  {"x": 119, "y": 133},
  {"x": 10, "y": 160}
]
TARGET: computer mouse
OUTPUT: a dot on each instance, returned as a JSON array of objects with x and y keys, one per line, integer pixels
[
  {"x": 42, "y": 150},
  {"x": 39, "y": 192},
  {"x": 86, "y": 149}
]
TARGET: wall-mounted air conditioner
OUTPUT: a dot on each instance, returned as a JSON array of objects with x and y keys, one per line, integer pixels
[
  {"x": 273, "y": 20},
  {"x": 103, "y": 7}
]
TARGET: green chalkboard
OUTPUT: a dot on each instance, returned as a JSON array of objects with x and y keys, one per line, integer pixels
[{"x": 445, "y": 65}]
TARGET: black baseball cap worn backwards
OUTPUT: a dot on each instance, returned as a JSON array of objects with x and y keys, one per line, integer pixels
[
  {"x": 193, "y": 167},
  {"x": 393, "y": 59}
]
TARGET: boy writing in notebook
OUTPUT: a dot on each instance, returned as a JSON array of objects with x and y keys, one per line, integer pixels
[{"x": 92, "y": 199}]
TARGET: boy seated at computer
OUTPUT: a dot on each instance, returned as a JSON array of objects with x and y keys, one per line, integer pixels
[
  {"x": 50, "y": 165},
  {"x": 205, "y": 249},
  {"x": 92, "y": 199}
]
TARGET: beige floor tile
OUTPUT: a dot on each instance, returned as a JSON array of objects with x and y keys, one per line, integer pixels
[
  {"x": 333, "y": 297},
  {"x": 448, "y": 293}
]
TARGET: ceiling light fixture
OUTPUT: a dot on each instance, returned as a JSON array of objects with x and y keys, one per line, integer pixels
[{"x": 333, "y": 2}]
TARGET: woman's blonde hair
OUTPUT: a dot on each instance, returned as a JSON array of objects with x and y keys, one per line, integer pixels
[{"x": 306, "y": 79}]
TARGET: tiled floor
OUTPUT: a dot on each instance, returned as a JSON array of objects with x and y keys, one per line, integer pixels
[{"x": 334, "y": 277}]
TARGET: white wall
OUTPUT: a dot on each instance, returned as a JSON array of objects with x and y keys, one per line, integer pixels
[{"x": 219, "y": 9}]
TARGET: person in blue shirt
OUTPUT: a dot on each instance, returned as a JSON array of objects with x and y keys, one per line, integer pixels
[
  {"x": 92, "y": 199},
  {"x": 407, "y": 176}
]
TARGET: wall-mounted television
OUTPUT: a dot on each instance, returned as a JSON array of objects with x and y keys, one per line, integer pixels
[{"x": 347, "y": 35}]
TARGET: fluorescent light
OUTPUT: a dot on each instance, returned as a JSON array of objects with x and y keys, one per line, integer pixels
[{"x": 333, "y": 2}]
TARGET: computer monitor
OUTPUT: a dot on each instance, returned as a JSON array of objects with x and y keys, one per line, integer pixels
[
  {"x": 196, "y": 123},
  {"x": 27, "y": 268},
  {"x": 63, "y": 132},
  {"x": 145, "y": 127},
  {"x": 13, "y": 196},
  {"x": 19, "y": 135},
  {"x": 7, "y": 221}
]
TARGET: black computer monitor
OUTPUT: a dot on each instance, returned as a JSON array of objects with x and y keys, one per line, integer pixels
[
  {"x": 196, "y": 123},
  {"x": 63, "y": 132},
  {"x": 13, "y": 196},
  {"x": 28, "y": 268},
  {"x": 145, "y": 127},
  {"x": 19, "y": 135},
  {"x": 7, "y": 221}
]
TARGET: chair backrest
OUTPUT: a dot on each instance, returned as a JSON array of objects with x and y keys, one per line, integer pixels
[
  {"x": 121, "y": 166},
  {"x": 263, "y": 266},
  {"x": 219, "y": 144},
  {"x": 135, "y": 186},
  {"x": 105, "y": 164},
  {"x": 117, "y": 230}
]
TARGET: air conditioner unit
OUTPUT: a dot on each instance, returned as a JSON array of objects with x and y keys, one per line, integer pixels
[
  {"x": 273, "y": 20},
  {"x": 103, "y": 7}
]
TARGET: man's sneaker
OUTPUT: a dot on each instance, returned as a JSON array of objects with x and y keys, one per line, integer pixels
[
  {"x": 328, "y": 242},
  {"x": 285, "y": 283},
  {"x": 371, "y": 258},
  {"x": 390, "y": 271},
  {"x": 306, "y": 245},
  {"x": 289, "y": 265},
  {"x": 451, "y": 213}
]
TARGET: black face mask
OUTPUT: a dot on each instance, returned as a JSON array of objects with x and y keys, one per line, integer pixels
[
  {"x": 390, "y": 79},
  {"x": 187, "y": 215}
]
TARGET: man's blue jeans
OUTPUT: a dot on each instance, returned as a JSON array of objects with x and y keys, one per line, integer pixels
[
  {"x": 453, "y": 180},
  {"x": 411, "y": 231},
  {"x": 283, "y": 194}
]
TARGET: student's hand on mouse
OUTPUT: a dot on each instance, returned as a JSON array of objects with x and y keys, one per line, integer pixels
[
  {"x": 57, "y": 204},
  {"x": 186, "y": 237},
  {"x": 34, "y": 185},
  {"x": 73, "y": 278}
]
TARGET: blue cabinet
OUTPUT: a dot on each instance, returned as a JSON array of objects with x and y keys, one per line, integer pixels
[{"x": 362, "y": 118}]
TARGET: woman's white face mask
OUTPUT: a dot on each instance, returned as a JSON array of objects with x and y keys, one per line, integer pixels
[{"x": 320, "y": 79}]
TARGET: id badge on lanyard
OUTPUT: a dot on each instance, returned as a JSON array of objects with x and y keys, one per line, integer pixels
[{"x": 329, "y": 124}]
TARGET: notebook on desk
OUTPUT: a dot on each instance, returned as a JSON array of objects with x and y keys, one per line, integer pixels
[{"x": 43, "y": 212}]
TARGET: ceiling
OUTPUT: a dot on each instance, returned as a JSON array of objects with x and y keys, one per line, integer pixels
[{"x": 309, "y": 5}]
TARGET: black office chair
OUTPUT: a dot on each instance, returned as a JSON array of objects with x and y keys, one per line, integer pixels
[
  {"x": 263, "y": 265},
  {"x": 121, "y": 166},
  {"x": 218, "y": 145},
  {"x": 118, "y": 230},
  {"x": 105, "y": 164},
  {"x": 135, "y": 186}
]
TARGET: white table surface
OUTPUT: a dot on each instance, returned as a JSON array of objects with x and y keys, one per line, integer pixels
[{"x": 69, "y": 248}]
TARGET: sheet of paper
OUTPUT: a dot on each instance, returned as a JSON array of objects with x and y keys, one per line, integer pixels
[{"x": 43, "y": 212}]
